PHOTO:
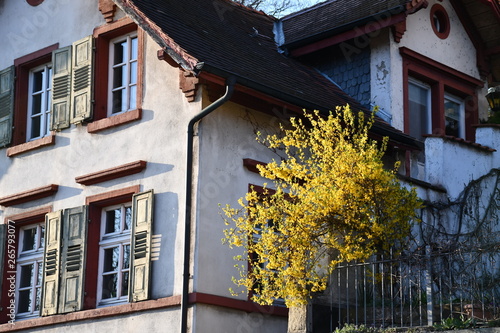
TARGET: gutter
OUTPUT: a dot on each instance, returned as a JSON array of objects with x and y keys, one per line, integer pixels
[{"x": 230, "y": 83}]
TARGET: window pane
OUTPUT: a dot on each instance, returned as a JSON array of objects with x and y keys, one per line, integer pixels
[
  {"x": 117, "y": 101},
  {"x": 109, "y": 286},
  {"x": 26, "y": 277},
  {"x": 24, "y": 301},
  {"x": 119, "y": 77},
  {"x": 128, "y": 218},
  {"x": 37, "y": 81},
  {"x": 38, "y": 297},
  {"x": 419, "y": 110},
  {"x": 42, "y": 237},
  {"x": 133, "y": 97},
  {"x": 111, "y": 259},
  {"x": 133, "y": 48},
  {"x": 452, "y": 118},
  {"x": 35, "y": 126},
  {"x": 133, "y": 73},
  {"x": 120, "y": 52},
  {"x": 126, "y": 256},
  {"x": 124, "y": 284},
  {"x": 29, "y": 236},
  {"x": 113, "y": 219},
  {"x": 39, "y": 276},
  {"x": 36, "y": 105}
]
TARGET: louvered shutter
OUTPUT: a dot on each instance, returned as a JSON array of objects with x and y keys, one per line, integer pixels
[
  {"x": 81, "y": 81},
  {"x": 50, "y": 284},
  {"x": 73, "y": 259},
  {"x": 6, "y": 105},
  {"x": 142, "y": 221},
  {"x": 61, "y": 88}
]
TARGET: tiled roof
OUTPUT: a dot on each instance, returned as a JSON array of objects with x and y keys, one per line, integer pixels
[
  {"x": 337, "y": 15},
  {"x": 233, "y": 40}
]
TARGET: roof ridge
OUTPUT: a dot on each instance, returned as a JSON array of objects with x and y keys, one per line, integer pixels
[
  {"x": 307, "y": 10},
  {"x": 250, "y": 9}
]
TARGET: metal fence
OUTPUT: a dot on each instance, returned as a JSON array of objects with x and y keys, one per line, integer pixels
[{"x": 420, "y": 289}]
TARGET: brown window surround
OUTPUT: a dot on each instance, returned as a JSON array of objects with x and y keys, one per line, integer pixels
[
  {"x": 441, "y": 79},
  {"x": 30, "y": 195},
  {"x": 96, "y": 204},
  {"x": 112, "y": 173},
  {"x": 103, "y": 35},
  {"x": 17, "y": 221},
  {"x": 23, "y": 66}
]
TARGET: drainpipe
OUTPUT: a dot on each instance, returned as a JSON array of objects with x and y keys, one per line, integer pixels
[{"x": 230, "y": 82}]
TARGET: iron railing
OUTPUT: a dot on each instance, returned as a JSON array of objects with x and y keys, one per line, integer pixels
[{"x": 420, "y": 289}]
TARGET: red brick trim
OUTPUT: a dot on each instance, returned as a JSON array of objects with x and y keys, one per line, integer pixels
[
  {"x": 251, "y": 164},
  {"x": 110, "y": 311},
  {"x": 28, "y": 217},
  {"x": 49, "y": 140},
  {"x": 112, "y": 173},
  {"x": 227, "y": 302},
  {"x": 114, "y": 121},
  {"x": 111, "y": 198},
  {"x": 112, "y": 27},
  {"x": 107, "y": 9},
  {"x": 30, "y": 195},
  {"x": 188, "y": 83}
]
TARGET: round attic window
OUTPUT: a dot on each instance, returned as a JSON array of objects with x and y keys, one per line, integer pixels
[
  {"x": 440, "y": 21},
  {"x": 34, "y": 2}
]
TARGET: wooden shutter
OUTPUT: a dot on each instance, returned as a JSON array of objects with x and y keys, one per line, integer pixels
[
  {"x": 61, "y": 88},
  {"x": 6, "y": 105},
  {"x": 81, "y": 81},
  {"x": 142, "y": 220},
  {"x": 50, "y": 284},
  {"x": 73, "y": 259}
]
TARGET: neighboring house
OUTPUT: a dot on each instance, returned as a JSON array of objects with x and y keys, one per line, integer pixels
[{"x": 123, "y": 125}]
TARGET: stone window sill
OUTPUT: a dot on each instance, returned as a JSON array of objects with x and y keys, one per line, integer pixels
[
  {"x": 114, "y": 121},
  {"x": 31, "y": 145}
]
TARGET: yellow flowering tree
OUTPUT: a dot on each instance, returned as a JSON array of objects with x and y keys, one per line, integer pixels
[{"x": 331, "y": 200}]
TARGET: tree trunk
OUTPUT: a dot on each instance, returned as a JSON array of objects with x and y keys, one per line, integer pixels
[{"x": 299, "y": 319}]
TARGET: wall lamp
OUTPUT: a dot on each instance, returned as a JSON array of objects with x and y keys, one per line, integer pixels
[{"x": 493, "y": 97}]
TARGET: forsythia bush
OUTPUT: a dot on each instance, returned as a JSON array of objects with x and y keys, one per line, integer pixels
[{"x": 331, "y": 201}]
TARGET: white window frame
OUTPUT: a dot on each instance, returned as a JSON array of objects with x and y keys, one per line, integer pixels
[
  {"x": 34, "y": 257},
  {"x": 46, "y": 93},
  {"x": 118, "y": 239},
  {"x": 128, "y": 85},
  {"x": 461, "y": 104},
  {"x": 427, "y": 87}
]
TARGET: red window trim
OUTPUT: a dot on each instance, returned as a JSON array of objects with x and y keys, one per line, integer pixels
[
  {"x": 96, "y": 203},
  {"x": 29, "y": 195},
  {"x": 103, "y": 35},
  {"x": 112, "y": 173},
  {"x": 34, "y": 3},
  {"x": 18, "y": 220},
  {"x": 23, "y": 66},
  {"x": 49, "y": 140},
  {"x": 442, "y": 79}
]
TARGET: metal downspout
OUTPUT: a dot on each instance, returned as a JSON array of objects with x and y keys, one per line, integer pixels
[{"x": 230, "y": 82}]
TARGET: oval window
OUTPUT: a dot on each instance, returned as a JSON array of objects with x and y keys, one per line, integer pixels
[
  {"x": 440, "y": 21},
  {"x": 34, "y": 2}
]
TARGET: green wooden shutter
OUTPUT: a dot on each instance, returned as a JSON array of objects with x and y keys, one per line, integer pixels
[
  {"x": 50, "y": 284},
  {"x": 142, "y": 220},
  {"x": 6, "y": 105},
  {"x": 61, "y": 88},
  {"x": 81, "y": 81},
  {"x": 73, "y": 259}
]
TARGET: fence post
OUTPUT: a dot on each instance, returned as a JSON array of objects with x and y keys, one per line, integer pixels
[{"x": 428, "y": 282}]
